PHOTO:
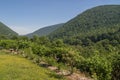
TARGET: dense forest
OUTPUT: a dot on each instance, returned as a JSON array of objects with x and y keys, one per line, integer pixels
[
  {"x": 89, "y": 43},
  {"x": 93, "y": 22}
]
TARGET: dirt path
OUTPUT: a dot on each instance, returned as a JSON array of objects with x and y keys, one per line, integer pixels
[{"x": 74, "y": 76}]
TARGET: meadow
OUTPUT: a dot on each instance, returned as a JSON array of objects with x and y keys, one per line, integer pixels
[{"x": 14, "y": 67}]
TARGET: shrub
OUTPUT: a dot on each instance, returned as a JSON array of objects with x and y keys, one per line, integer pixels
[
  {"x": 116, "y": 68},
  {"x": 98, "y": 67}
]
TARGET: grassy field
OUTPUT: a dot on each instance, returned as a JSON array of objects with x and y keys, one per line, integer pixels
[{"x": 18, "y": 68}]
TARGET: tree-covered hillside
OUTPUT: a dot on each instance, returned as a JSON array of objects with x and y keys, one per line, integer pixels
[
  {"x": 89, "y": 43},
  {"x": 4, "y": 30},
  {"x": 46, "y": 30},
  {"x": 93, "y": 22}
]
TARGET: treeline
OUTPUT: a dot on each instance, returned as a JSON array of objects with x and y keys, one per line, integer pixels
[
  {"x": 99, "y": 58},
  {"x": 114, "y": 37}
]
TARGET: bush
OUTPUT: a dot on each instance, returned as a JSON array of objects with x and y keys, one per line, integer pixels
[
  {"x": 40, "y": 50},
  {"x": 7, "y": 44},
  {"x": 98, "y": 67},
  {"x": 116, "y": 68}
]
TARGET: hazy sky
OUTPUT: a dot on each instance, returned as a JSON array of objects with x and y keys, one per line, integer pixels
[{"x": 25, "y": 16}]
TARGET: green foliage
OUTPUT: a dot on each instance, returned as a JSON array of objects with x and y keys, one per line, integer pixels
[
  {"x": 98, "y": 67},
  {"x": 116, "y": 67},
  {"x": 23, "y": 44},
  {"x": 8, "y": 44},
  {"x": 13, "y": 44},
  {"x": 95, "y": 58},
  {"x": 40, "y": 50},
  {"x": 58, "y": 43}
]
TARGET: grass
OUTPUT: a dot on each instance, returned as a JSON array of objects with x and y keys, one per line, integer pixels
[{"x": 18, "y": 68}]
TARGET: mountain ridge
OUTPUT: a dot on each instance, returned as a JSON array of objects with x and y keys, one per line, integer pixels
[
  {"x": 45, "y": 30},
  {"x": 5, "y": 30},
  {"x": 91, "y": 22}
]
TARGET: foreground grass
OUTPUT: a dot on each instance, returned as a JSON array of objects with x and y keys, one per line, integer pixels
[{"x": 18, "y": 68}]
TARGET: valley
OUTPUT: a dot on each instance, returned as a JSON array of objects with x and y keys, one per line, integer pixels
[{"x": 86, "y": 47}]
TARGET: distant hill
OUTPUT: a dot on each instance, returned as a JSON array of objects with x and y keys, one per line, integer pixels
[
  {"x": 46, "y": 30},
  {"x": 93, "y": 22},
  {"x": 5, "y": 30}
]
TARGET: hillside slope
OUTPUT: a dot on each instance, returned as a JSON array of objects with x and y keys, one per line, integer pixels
[
  {"x": 17, "y": 68},
  {"x": 95, "y": 21},
  {"x": 45, "y": 31},
  {"x": 5, "y": 30}
]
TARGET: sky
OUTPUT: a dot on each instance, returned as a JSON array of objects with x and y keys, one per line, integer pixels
[{"x": 26, "y": 16}]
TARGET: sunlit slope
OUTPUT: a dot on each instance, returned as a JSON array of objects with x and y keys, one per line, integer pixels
[
  {"x": 92, "y": 22},
  {"x": 17, "y": 68}
]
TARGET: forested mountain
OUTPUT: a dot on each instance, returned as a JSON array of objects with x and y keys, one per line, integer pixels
[
  {"x": 46, "y": 30},
  {"x": 93, "y": 22},
  {"x": 89, "y": 43},
  {"x": 4, "y": 30}
]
